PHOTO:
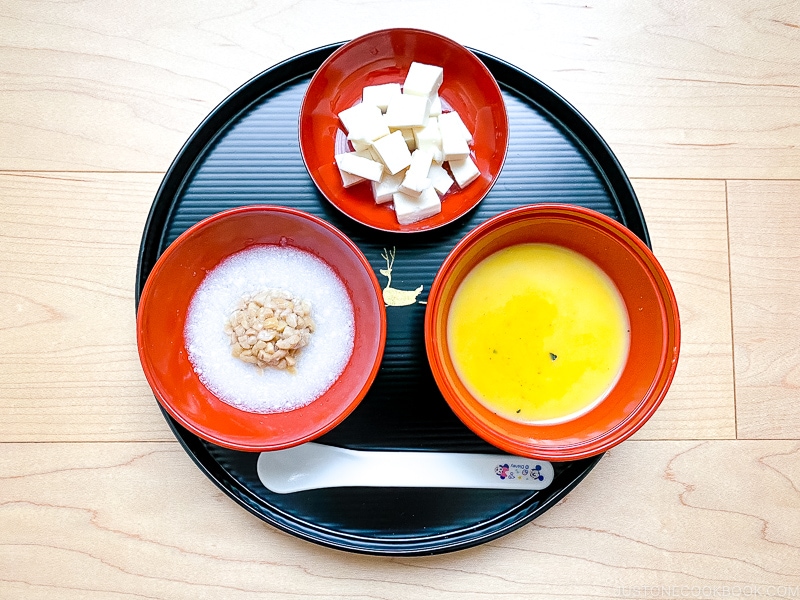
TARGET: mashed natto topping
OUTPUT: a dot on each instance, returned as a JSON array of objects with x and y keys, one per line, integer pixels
[{"x": 270, "y": 328}]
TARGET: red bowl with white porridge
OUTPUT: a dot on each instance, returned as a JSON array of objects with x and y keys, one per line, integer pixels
[
  {"x": 382, "y": 57},
  {"x": 192, "y": 290}
]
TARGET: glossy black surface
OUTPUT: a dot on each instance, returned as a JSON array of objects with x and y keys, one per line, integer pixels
[{"x": 246, "y": 152}]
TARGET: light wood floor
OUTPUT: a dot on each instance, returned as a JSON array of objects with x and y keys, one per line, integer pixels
[{"x": 701, "y": 103}]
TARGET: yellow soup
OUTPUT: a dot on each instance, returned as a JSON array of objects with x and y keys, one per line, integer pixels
[{"x": 538, "y": 333}]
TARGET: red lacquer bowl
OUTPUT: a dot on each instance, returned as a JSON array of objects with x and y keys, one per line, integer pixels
[
  {"x": 384, "y": 57},
  {"x": 651, "y": 308},
  {"x": 162, "y": 317}
]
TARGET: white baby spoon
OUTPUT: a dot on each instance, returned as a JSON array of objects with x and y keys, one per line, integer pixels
[{"x": 313, "y": 466}]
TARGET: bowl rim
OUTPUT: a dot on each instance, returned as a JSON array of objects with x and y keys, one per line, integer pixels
[
  {"x": 419, "y": 226},
  {"x": 159, "y": 390},
  {"x": 647, "y": 405}
]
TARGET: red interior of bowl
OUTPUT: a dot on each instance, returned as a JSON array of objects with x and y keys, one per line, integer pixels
[
  {"x": 162, "y": 317},
  {"x": 384, "y": 57},
  {"x": 651, "y": 307}
]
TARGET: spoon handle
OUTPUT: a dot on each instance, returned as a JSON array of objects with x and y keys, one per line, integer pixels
[{"x": 314, "y": 466}]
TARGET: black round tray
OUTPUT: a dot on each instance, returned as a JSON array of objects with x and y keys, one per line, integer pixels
[{"x": 246, "y": 152}]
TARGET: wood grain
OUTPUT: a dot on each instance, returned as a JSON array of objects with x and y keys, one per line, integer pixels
[
  {"x": 765, "y": 278},
  {"x": 680, "y": 90},
  {"x": 69, "y": 369},
  {"x": 139, "y": 521},
  {"x": 98, "y": 501},
  {"x": 687, "y": 221}
]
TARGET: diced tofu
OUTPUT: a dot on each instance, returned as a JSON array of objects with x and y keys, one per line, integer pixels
[
  {"x": 364, "y": 122},
  {"x": 351, "y": 116},
  {"x": 410, "y": 209},
  {"x": 380, "y": 95},
  {"x": 429, "y": 135},
  {"x": 408, "y": 136},
  {"x": 464, "y": 171},
  {"x": 423, "y": 80},
  {"x": 454, "y": 147},
  {"x": 393, "y": 152},
  {"x": 351, "y": 162},
  {"x": 416, "y": 179},
  {"x": 436, "y": 106},
  {"x": 414, "y": 184},
  {"x": 367, "y": 154},
  {"x": 349, "y": 180},
  {"x": 454, "y": 136},
  {"x": 360, "y": 145},
  {"x": 407, "y": 111},
  {"x": 452, "y": 120},
  {"x": 430, "y": 138},
  {"x": 384, "y": 189},
  {"x": 391, "y": 123},
  {"x": 440, "y": 180},
  {"x": 421, "y": 161}
]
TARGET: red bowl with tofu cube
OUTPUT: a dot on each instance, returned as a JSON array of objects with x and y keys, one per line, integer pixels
[{"x": 358, "y": 145}]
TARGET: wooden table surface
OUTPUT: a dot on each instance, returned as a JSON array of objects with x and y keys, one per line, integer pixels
[{"x": 699, "y": 100}]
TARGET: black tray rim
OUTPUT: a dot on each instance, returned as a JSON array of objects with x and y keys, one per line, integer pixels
[
  {"x": 444, "y": 543},
  {"x": 173, "y": 182}
]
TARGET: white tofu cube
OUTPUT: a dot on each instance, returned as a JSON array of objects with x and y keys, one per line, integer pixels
[
  {"x": 351, "y": 162},
  {"x": 440, "y": 180},
  {"x": 407, "y": 111},
  {"x": 410, "y": 209},
  {"x": 373, "y": 154},
  {"x": 414, "y": 185},
  {"x": 436, "y": 106},
  {"x": 454, "y": 136},
  {"x": 421, "y": 160},
  {"x": 423, "y": 80},
  {"x": 393, "y": 152},
  {"x": 360, "y": 145},
  {"x": 380, "y": 95},
  {"x": 452, "y": 121},
  {"x": 428, "y": 136},
  {"x": 349, "y": 180},
  {"x": 363, "y": 122},
  {"x": 464, "y": 171},
  {"x": 408, "y": 136},
  {"x": 416, "y": 179},
  {"x": 384, "y": 189},
  {"x": 454, "y": 147}
]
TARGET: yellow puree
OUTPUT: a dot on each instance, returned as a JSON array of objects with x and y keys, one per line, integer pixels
[{"x": 538, "y": 333}]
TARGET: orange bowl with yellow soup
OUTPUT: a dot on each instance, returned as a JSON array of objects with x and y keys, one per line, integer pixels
[{"x": 552, "y": 332}]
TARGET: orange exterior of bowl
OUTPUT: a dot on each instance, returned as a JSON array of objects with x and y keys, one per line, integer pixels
[
  {"x": 652, "y": 311},
  {"x": 384, "y": 57},
  {"x": 165, "y": 301}
]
